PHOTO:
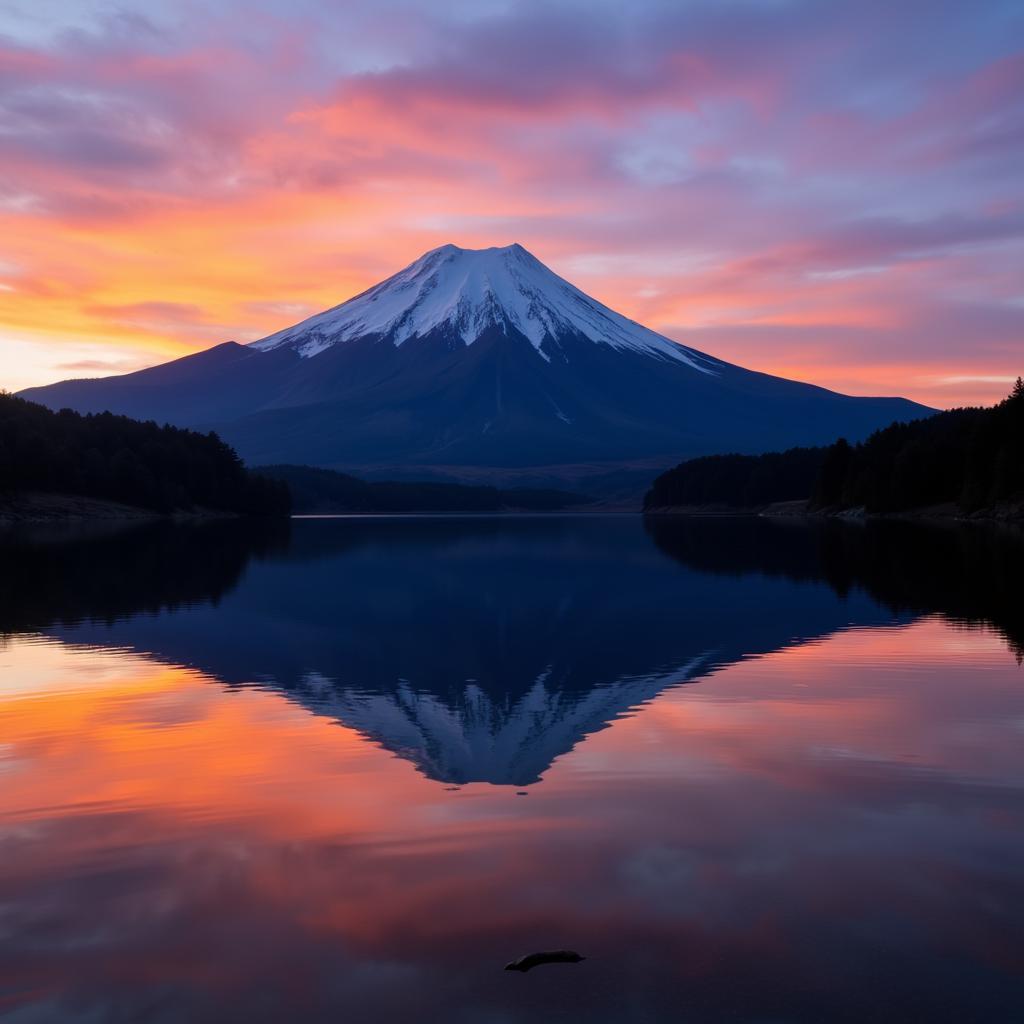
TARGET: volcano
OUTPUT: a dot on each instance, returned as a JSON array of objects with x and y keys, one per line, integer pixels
[{"x": 478, "y": 364}]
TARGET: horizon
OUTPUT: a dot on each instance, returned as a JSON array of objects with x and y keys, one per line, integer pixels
[
  {"x": 802, "y": 191},
  {"x": 344, "y": 302}
]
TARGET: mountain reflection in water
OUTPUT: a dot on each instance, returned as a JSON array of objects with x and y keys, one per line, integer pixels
[
  {"x": 258, "y": 772},
  {"x": 481, "y": 649}
]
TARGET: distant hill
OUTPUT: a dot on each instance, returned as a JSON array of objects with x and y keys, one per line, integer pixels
[
  {"x": 117, "y": 459},
  {"x": 323, "y": 491},
  {"x": 970, "y": 459},
  {"x": 738, "y": 481}
]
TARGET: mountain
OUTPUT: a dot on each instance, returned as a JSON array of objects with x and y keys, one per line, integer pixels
[{"x": 477, "y": 364}]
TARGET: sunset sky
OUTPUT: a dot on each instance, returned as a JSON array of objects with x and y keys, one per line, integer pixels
[{"x": 831, "y": 191}]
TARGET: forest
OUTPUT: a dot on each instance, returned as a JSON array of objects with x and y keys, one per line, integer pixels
[
  {"x": 324, "y": 491},
  {"x": 113, "y": 458},
  {"x": 738, "y": 481},
  {"x": 971, "y": 458}
]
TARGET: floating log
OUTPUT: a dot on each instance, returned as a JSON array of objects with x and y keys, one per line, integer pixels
[{"x": 551, "y": 956}]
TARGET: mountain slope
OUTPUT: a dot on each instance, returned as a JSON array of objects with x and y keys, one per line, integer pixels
[{"x": 482, "y": 362}]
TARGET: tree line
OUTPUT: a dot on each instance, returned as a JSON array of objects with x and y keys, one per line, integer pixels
[
  {"x": 972, "y": 458},
  {"x": 115, "y": 458},
  {"x": 327, "y": 491}
]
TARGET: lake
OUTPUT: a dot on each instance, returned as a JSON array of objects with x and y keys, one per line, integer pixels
[{"x": 346, "y": 769}]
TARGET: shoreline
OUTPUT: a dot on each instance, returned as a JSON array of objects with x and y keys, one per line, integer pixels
[
  {"x": 41, "y": 508},
  {"x": 944, "y": 513},
  {"x": 35, "y": 507}
]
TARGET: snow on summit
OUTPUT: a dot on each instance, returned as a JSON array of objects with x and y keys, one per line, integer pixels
[{"x": 467, "y": 291}]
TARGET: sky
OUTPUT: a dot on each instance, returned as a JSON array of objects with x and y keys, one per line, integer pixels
[{"x": 830, "y": 191}]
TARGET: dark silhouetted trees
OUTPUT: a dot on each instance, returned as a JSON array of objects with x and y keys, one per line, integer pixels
[
  {"x": 119, "y": 459},
  {"x": 972, "y": 458},
  {"x": 740, "y": 481}
]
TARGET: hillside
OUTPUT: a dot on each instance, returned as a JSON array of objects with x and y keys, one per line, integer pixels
[
  {"x": 108, "y": 458},
  {"x": 323, "y": 491},
  {"x": 738, "y": 481}
]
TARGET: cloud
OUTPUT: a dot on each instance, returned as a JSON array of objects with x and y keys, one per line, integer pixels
[
  {"x": 101, "y": 365},
  {"x": 181, "y": 312},
  {"x": 171, "y": 176},
  {"x": 295, "y": 309}
]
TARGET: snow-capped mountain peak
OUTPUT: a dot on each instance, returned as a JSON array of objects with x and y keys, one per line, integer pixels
[{"x": 468, "y": 291}]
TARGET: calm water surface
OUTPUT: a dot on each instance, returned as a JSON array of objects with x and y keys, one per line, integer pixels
[{"x": 346, "y": 769}]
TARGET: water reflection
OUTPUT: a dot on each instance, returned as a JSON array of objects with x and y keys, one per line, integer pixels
[
  {"x": 825, "y": 823},
  {"x": 104, "y": 572},
  {"x": 969, "y": 572},
  {"x": 483, "y": 649}
]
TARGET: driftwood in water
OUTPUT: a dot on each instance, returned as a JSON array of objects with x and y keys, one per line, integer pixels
[{"x": 553, "y": 956}]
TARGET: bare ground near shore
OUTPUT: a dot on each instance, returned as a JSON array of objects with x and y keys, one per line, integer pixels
[
  {"x": 38, "y": 507},
  {"x": 1009, "y": 512}
]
